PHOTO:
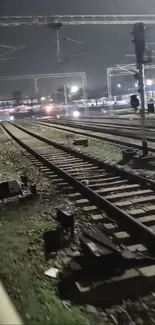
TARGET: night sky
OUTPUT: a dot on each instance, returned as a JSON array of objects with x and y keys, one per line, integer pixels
[{"x": 105, "y": 45}]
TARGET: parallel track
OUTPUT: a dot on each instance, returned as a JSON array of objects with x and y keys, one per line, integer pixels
[
  {"x": 110, "y": 129},
  {"x": 122, "y": 203},
  {"x": 96, "y": 133}
]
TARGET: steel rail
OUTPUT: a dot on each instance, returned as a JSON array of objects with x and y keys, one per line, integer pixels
[{"x": 136, "y": 228}]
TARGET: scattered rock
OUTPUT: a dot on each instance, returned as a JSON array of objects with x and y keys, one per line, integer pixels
[
  {"x": 66, "y": 304},
  {"x": 139, "y": 321},
  {"x": 113, "y": 319},
  {"x": 52, "y": 272},
  {"x": 91, "y": 309}
]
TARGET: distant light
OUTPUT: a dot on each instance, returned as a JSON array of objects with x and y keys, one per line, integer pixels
[
  {"x": 136, "y": 84},
  {"x": 76, "y": 113},
  {"x": 48, "y": 108},
  {"x": 12, "y": 118},
  {"x": 149, "y": 82},
  {"x": 119, "y": 85},
  {"x": 74, "y": 89},
  {"x": 43, "y": 98}
]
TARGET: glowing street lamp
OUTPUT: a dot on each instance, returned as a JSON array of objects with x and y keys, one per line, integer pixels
[
  {"x": 149, "y": 82},
  {"x": 74, "y": 89},
  {"x": 119, "y": 85}
]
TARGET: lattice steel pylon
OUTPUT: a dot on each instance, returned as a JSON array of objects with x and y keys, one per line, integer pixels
[{"x": 67, "y": 20}]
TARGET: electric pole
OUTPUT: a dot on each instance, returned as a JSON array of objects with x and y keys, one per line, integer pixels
[
  {"x": 66, "y": 99},
  {"x": 139, "y": 42}
]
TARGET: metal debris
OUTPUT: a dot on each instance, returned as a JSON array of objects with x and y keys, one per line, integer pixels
[{"x": 66, "y": 222}]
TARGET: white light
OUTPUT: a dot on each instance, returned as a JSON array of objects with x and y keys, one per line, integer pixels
[
  {"x": 149, "y": 82},
  {"x": 11, "y": 118},
  {"x": 136, "y": 84},
  {"x": 43, "y": 98},
  {"x": 76, "y": 114},
  {"x": 48, "y": 108},
  {"x": 119, "y": 85},
  {"x": 74, "y": 89}
]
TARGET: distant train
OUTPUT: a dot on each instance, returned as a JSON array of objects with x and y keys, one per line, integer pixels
[{"x": 50, "y": 109}]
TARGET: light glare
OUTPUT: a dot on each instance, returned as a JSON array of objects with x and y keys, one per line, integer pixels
[
  {"x": 74, "y": 89},
  {"x": 149, "y": 82},
  {"x": 48, "y": 108},
  {"x": 76, "y": 113}
]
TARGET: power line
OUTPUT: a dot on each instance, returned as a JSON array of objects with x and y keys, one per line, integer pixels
[{"x": 67, "y": 20}]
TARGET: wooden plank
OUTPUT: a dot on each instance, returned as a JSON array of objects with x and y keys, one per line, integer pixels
[
  {"x": 146, "y": 199},
  {"x": 117, "y": 188},
  {"x": 147, "y": 219},
  {"x": 84, "y": 169},
  {"x": 74, "y": 195},
  {"x": 90, "y": 208},
  {"x": 141, "y": 212},
  {"x": 70, "y": 160},
  {"x": 150, "y": 208},
  {"x": 97, "y": 217},
  {"x": 108, "y": 184},
  {"x": 82, "y": 202},
  {"x": 109, "y": 226},
  {"x": 122, "y": 235},
  {"x": 137, "y": 248},
  {"x": 114, "y": 197},
  {"x": 123, "y": 204},
  {"x": 105, "y": 179},
  {"x": 136, "y": 212},
  {"x": 91, "y": 177},
  {"x": 74, "y": 166}
]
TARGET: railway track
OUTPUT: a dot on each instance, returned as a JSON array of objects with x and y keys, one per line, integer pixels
[
  {"x": 110, "y": 129},
  {"x": 118, "y": 242},
  {"x": 114, "y": 125},
  {"x": 90, "y": 131}
]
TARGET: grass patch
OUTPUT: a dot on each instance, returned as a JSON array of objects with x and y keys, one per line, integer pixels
[{"x": 22, "y": 267}]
